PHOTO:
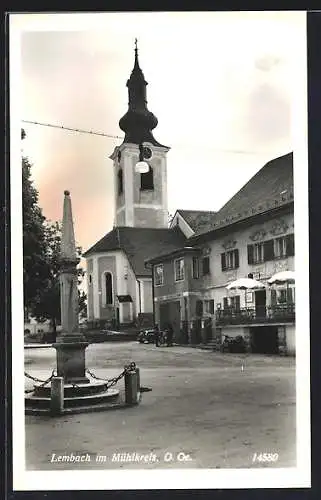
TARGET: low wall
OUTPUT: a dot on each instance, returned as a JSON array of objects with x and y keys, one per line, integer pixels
[{"x": 109, "y": 336}]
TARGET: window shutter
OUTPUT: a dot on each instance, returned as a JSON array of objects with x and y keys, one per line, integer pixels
[
  {"x": 289, "y": 245},
  {"x": 211, "y": 306},
  {"x": 237, "y": 303},
  {"x": 206, "y": 265},
  {"x": 250, "y": 254},
  {"x": 268, "y": 250},
  {"x": 237, "y": 261},
  {"x": 223, "y": 261},
  {"x": 199, "y": 308},
  {"x": 225, "y": 303}
]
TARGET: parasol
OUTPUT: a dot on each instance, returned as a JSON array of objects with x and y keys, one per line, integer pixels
[
  {"x": 282, "y": 277},
  {"x": 245, "y": 284}
]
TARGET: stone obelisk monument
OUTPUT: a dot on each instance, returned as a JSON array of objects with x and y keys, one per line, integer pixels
[{"x": 70, "y": 344}]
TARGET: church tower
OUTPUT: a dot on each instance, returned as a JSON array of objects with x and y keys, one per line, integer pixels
[{"x": 140, "y": 198}]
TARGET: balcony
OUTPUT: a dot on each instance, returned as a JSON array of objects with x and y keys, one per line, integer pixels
[{"x": 281, "y": 313}]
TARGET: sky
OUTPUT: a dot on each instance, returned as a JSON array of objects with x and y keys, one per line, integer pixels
[{"x": 221, "y": 84}]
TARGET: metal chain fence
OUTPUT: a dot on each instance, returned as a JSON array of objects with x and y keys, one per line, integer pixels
[
  {"x": 109, "y": 382},
  {"x": 42, "y": 382},
  {"x": 113, "y": 381}
]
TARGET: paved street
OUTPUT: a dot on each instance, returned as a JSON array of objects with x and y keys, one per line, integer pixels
[{"x": 209, "y": 410}]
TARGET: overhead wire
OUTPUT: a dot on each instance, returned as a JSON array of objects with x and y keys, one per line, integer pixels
[{"x": 111, "y": 136}]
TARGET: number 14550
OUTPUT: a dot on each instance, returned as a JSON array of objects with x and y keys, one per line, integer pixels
[{"x": 265, "y": 457}]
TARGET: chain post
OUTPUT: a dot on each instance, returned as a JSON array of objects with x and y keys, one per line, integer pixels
[
  {"x": 138, "y": 383},
  {"x": 57, "y": 396},
  {"x": 131, "y": 387}
]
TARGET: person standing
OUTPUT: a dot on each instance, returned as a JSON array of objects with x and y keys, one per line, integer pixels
[
  {"x": 156, "y": 330},
  {"x": 170, "y": 333}
]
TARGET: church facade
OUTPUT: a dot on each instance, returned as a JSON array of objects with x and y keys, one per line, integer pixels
[{"x": 118, "y": 282}]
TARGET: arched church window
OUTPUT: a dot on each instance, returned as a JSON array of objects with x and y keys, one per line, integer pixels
[
  {"x": 147, "y": 180},
  {"x": 109, "y": 288},
  {"x": 120, "y": 182}
]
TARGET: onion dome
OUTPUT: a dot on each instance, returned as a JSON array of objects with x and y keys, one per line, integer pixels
[{"x": 138, "y": 122}]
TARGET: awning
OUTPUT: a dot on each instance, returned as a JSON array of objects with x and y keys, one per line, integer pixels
[
  {"x": 282, "y": 277},
  {"x": 124, "y": 298},
  {"x": 245, "y": 284}
]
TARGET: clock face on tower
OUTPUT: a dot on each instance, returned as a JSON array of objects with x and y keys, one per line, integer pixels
[{"x": 147, "y": 152}]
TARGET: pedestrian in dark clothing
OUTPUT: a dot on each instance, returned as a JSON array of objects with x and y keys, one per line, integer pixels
[
  {"x": 170, "y": 333},
  {"x": 157, "y": 335}
]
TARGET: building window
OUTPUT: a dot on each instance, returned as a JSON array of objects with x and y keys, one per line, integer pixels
[
  {"x": 271, "y": 249},
  {"x": 120, "y": 182},
  {"x": 258, "y": 253},
  {"x": 159, "y": 275},
  {"x": 195, "y": 268},
  {"x": 281, "y": 296},
  {"x": 179, "y": 269},
  {"x": 290, "y": 245},
  {"x": 230, "y": 260},
  {"x": 231, "y": 303},
  {"x": 108, "y": 288},
  {"x": 206, "y": 265},
  {"x": 209, "y": 306},
  {"x": 147, "y": 180},
  {"x": 280, "y": 248},
  {"x": 235, "y": 303}
]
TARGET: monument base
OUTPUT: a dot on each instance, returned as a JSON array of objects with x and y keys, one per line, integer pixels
[{"x": 71, "y": 362}]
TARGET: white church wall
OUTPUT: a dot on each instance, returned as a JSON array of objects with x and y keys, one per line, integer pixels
[
  {"x": 106, "y": 264},
  {"x": 148, "y": 217},
  {"x": 132, "y": 289},
  {"x": 95, "y": 289},
  {"x": 90, "y": 300},
  {"x": 120, "y": 217}
]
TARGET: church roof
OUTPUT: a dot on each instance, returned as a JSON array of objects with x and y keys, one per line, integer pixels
[
  {"x": 198, "y": 219},
  {"x": 139, "y": 244},
  {"x": 270, "y": 188}
]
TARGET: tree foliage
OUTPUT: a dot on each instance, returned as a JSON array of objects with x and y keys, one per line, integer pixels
[
  {"x": 35, "y": 263},
  {"x": 41, "y": 256}
]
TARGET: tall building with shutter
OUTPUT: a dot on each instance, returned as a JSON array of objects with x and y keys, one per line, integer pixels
[{"x": 251, "y": 236}]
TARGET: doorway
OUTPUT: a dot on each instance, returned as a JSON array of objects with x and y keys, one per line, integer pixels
[
  {"x": 264, "y": 340},
  {"x": 260, "y": 303},
  {"x": 170, "y": 312}
]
